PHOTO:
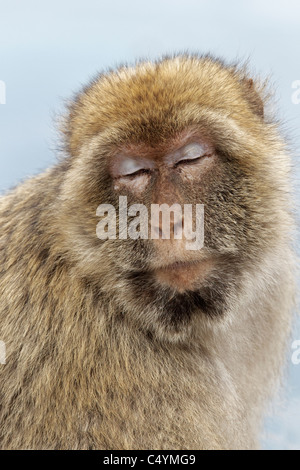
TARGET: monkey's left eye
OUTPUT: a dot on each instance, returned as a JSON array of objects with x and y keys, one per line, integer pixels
[
  {"x": 192, "y": 154},
  {"x": 189, "y": 161}
]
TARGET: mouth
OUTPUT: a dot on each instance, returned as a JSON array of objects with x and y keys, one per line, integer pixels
[
  {"x": 184, "y": 275},
  {"x": 179, "y": 265},
  {"x": 180, "y": 289}
]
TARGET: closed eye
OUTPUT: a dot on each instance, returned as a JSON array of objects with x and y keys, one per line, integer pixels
[
  {"x": 136, "y": 173},
  {"x": 130, "y": 167},
  {"x": 190, "y": 161}
]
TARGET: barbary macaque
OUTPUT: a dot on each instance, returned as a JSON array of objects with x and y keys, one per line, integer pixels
[{"x": 139, "y": 342}]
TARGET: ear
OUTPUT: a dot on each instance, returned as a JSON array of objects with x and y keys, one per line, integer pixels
[{"x": 253, "y": 97}]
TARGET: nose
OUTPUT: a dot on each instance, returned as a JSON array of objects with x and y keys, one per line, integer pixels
[{"x": 167, "y": 222}]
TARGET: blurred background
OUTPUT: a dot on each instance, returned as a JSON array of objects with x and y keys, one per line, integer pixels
[{"x": 49, "y": 49}]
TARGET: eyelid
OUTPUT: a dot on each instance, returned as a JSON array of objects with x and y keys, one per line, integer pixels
[
  {"x": 188, "y": 160},
  {"x": 125, "y": 166},
  {"x": 191, "y": 152},
  {"x": 130, "y": 166},
  {"x": 139, "y": 172}
]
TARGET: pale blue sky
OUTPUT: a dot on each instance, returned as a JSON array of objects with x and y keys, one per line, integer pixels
[{"x": 49, "y": 49}]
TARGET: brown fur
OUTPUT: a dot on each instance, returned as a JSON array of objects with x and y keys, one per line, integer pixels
[{"x": 93, "y": 361}]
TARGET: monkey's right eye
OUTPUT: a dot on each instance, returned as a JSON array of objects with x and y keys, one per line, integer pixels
[
  {"x": 126, "y": 167},
  {"x": 140, "y": 172}
]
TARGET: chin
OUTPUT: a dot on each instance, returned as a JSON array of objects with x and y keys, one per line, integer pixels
[{"x": 175, "y": 300}]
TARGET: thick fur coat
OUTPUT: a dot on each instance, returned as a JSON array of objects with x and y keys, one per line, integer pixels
[{"x": 95, "y": 357}]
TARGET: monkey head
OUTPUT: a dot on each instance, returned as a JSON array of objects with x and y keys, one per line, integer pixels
[{"x": 184, "y": 130}]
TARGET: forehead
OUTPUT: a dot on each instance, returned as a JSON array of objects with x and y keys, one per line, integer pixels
[{"x": 153, "y": 101}]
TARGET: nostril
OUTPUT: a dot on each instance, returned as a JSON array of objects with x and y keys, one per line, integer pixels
[
  {"x": 157, "y": 231},
  {"x": 167, "y": 224},
  {"x": 160, "y": 232},
  {"x": 163, "y": 232},
  {"x": 178, "y": 228}
]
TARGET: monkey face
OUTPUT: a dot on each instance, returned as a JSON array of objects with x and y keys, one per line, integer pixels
[
  {"x": 158, "y": 142},
  {"x": 175, "y": 283},
  {"x": 160, "y": 284}
]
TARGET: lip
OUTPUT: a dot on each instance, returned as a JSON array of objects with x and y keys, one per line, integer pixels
[
  {"x": 184, "y": 275},
  {"x": 179, "y": 265}
]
